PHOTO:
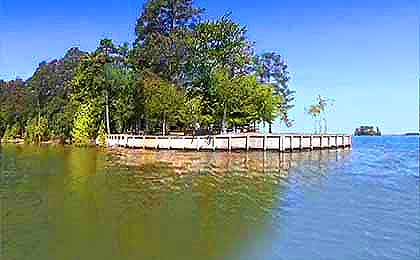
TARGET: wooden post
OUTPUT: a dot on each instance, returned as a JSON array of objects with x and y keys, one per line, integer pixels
[
  {"x": 343, "y": 141},
  {"x": 183, "y": 143},
  {"x": 214, "y": 143},
  {"x": 169, "y": 143},
  {"x": 291, "y": 143},
  {"x": 247, "y": 143},
  {"x": 157, "y": 143},
  {"x": 322, "y": 141},
  {"x": 144, "y": 142},
  {"x": 230, "y": 143},
  {"x": 329, "y": 141},
  {"x": 311, "y": 145},
  {"x": 265, "y": 143},
  {"x": 300, "y": 142},
  {"x": 198, "y": 143},
  {"x": 280, "y": 143}
]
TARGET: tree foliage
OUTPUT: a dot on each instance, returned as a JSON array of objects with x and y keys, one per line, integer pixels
[
  {"x": 181, "y": 73},
  {"x": 318, "y": 112},
  {"x": 161, "y": 30},
  {"x": 36, "y": 130},
  {"x": 163, "y": 102},
  {"x": 217, "y": 44},
  {"x": 271, "y": 68},
  {"x": 84, "y": 129}
]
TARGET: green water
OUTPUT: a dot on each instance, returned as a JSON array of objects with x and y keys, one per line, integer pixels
[{"x": 69, "y": 203}]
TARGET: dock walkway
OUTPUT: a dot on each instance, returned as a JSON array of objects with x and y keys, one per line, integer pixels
[{"x": 272, "y": 142}]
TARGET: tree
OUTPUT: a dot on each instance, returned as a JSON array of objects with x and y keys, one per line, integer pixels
[
  {"x": 11, "y": 132},
  {"x": 217, "y": 44},
  {"x": 36, "y": 130},
  {"x": 50, "y": 88},
  {"x": 84, "y": 128},
  {"x": 161, "y": 31},
  {"x": 271, "y": 68},
  {"x": 14, "y": 105},
  {"x": 105, "y": 78},
  {"x": 194, "y": 112},
  {"x": 163, "y": 101},
  {"x": 102, "y": 136},
  {"x": 241, "y": 100},
  {"x": 318, "y": 111},
  {"x": 125, "y": 96}
]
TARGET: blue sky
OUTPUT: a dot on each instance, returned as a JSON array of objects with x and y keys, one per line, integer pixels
[{"x": 363, "y": 54}]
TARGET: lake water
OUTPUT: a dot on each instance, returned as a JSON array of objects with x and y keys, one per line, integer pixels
[{"x": 74, "y": 204}]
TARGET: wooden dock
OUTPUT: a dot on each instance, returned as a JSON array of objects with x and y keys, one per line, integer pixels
[{"x": 269, "y": 142}]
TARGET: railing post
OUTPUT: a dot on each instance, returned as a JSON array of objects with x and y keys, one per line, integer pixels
[
  {"x": 144, "y": 142},
  {"x": 214, "y": 143},
  {"x": 230, "y": 143},
  {"x": 198, "y": 143},
  {"x": 247, "y": 143},
  {"x": 265, "y": 143},
  {"x": 280, "y": 143},
  {"x": 291, "y": 143},
  {"x": 300, "y": 143},
  {"x": 311, "y": 145},
  {"x": 169, "y": 143}
]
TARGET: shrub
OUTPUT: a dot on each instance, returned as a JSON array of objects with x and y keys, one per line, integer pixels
[
  {"x": 36, "y": 130},
  {"x": 11, "y": 133},
  {"x": 84, "y": 125},
  {"x": 101, "y": 140}
]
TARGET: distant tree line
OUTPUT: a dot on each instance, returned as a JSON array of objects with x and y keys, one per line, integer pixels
[{"x": 181, "y": 73}]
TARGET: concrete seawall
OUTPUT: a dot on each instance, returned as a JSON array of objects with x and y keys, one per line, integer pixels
[{"x": 272, "y": 142}]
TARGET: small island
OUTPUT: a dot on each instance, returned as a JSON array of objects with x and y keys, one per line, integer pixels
[{"x": 367, "y": 131}]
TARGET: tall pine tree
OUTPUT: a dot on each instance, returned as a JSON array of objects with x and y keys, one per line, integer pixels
[{"x": 161, "y": 31}]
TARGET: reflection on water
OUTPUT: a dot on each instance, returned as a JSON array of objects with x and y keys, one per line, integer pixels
[{"x": 68, "y": 203}]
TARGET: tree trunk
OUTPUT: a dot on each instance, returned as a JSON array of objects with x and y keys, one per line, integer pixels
[
  {"x": 164, "y": 125},
  {"x": 39, "y": 132},
  {"x": 108, "y": 128},
  {"x": 320, "y": 126},
  {"x": 224, "y": 130}
]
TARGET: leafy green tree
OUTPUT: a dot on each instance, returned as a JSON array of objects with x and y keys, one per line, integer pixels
[
  {"x": 163, "y": 102},
  {"x": 84, "y": 129},
  {"x": 241, "y": 101},
  {"x": 120, "y": 97},
  {"x": 217, "y": 44},
  {"x": 104, "y": 78},
  {"x": 161, "y": 31},
  {"x": 271, "y": 68},
  {"x": 102, "y": 136},
  {"x": 61, "y": 123},
  {"x": 194, "y": 112},
  {"x": 36, "y": 130},
  {"x": 50, "y": 88},
  {"x": 11, "y": 133}
]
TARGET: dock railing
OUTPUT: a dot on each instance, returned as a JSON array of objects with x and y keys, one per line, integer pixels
[{"x": 271, "y": 142}]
